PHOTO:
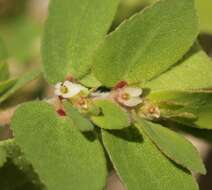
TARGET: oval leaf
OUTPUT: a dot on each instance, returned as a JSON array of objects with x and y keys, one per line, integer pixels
[
  {"x": 141, "y": 165},
  {"x": 59, "y": 153},
  {"x": 73, "y": 31},
  {"x": 147, "y": 44},
  {"x": 175, "y": 146},
  {"x": 194, "y": 72}
]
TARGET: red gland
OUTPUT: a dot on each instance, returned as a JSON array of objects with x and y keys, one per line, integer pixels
[
  {"x": 60, "y": 98},
  {"x": 61, "y": 112},
  {"x": 121, "y": 84},
  {"x": 69, "y": 78}
]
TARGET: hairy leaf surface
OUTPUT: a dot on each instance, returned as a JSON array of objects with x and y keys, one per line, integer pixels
[
  {"x": 147, "y": 44},
  {"x": 204, "y": 8},
  {"x": 141, "y": 165},
  {"x": 60, "y": 154},
  {"x": 194, "y": 72},
  {"x": 113, "y": 116},
  {"x": 73, "y": 31},
  {"x": 78, "y": 119},
  {"x": 175, "y": 146}
]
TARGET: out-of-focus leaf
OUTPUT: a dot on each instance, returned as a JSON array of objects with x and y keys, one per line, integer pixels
[
  {"x": 147, "y": 44},
  {"x": 183, "y": 98},
  {"x": 3, "y": 156},
  {"x": 194, "y": 72},
  {"x": 4, "y": 71},
  {"x": 3, "y": 52},
  {"x": 20, "y": 34},
  {"x": 21, "y": 82},
  {"x": 204, "y": 8},
  {"x": 113, "y": 116},
  {"x": 182, "y": 117},
  {"x": 141, "y": 165},
  {"x": 6, "y": 85},
  {"x": 204, "y": 113},
  {"x": 173, "y": 145},
  {"x": 197, "y": 102},
  {"x": 60, "y": 154},
  {"x": 73, "y": 31},
  {"x": 15, "y": 171},
  {"x": 78, "y": 119}
]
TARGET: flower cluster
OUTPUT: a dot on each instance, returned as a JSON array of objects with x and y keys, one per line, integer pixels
[{"x": 127, "y": 96}]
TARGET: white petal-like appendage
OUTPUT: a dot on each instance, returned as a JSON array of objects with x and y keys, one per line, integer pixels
[
  {"x": 132, "y": 102},
  {"x": 57, "y": 91},
  {"x": 132, "y": 91},
  {"x": 58, "y": 85}
]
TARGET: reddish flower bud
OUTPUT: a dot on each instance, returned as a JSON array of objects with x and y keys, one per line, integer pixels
[
  {"x": 61, "y": 112},
  {"x": 121, "y": 84},
  {"x": 69, "y": 78}
]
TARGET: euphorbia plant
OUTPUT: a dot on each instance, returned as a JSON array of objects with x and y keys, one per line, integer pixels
[{"x": 118, "y": 97}]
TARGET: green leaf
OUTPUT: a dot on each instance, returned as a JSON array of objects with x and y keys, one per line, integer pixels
[
  {"x": 141, "y": 165},
  {"x": 20, "y": 34},
  {"x": 204, "y": 115},
  {"x": 147, "y": 44},
  {"x": 194, "y": 72},
  {"x": 73, "y": 31},
  {"x": 22, "y": 81},
  {"x": 204, "y": 8},
  {"x": 183, "y": 98},
  {"x": 3, "y": 156},
  {"x": 90, "y": 81},
  {"x": 4, "y": 71},
  {"x": 197, "y": 102},
  {"x": 113, "y": 116},
  {"x": 15, "y": 171},
  {"x": 174, "y": 146},
  {"x": 6, "y": 85},
  {"x": 59, "y": 153},
  {"x": 127, "y": 8},
  {"x": 78, "y": 119},
  {"x": 3, "y": 52}
]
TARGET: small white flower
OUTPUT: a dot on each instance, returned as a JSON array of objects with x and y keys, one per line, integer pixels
[
  {"x": 68, "y": 89},
  {"x": 129, "y": 96}
]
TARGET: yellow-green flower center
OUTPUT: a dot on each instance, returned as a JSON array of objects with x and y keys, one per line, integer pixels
[
  {"x": 125, "y": 96},
  {"x": 63, "y": 89}
]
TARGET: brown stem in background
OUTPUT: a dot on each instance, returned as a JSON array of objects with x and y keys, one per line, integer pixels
[{"x": 6, "y": 115}]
